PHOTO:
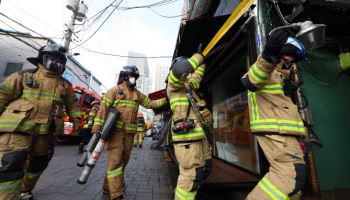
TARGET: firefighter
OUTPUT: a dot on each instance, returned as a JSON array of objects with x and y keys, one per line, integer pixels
[
  {"x": 30, "y": 101},
  {"x": 138, "y": 140},
  {"x": 274, "y": 118},
  {"x": 125, "y": 98},
  {"x": 86, "y": 132},
  {"x": 191, "y": 147}
]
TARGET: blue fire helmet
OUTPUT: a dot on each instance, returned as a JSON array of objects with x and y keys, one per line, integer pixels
[{"x": 294, "y": 48}]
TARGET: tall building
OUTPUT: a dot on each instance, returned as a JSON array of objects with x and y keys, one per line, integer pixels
[
  {"x": 139, "y": 61},
  {"x": 161, "y": 75},
  {"x": 144, "y": 82}
]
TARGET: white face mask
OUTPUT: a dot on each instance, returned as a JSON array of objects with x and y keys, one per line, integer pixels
[{"x": 132, "y": 80}]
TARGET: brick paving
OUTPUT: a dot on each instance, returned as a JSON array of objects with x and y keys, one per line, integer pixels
[{"x": 147, "y": 176}]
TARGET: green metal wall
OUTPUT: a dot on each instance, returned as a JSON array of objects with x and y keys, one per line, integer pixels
[{"x": 328, "y": 92}]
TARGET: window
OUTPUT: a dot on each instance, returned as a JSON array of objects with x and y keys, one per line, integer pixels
[{"x": 13, "y": 67}]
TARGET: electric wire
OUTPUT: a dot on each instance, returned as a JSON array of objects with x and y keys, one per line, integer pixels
[
  {"x": 98, "y": 27},
  {"x": 12, "y": 35},
  {"x": 123, "y": 56},
  {"x": 48, "y": 25},
  {"x": 18, "y": 31},
  {"x": 98, "y": 16}
]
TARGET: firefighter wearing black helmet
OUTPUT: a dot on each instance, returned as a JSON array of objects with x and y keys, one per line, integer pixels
[
  {"x": 27, "y": 101},
  {"x": 125, "y": 98}
]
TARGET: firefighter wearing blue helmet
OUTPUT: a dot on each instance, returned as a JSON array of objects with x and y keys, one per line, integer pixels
[{"x": 274, "y": 118}]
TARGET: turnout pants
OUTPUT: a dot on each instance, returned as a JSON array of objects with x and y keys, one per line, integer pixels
[
  {"x": 287, "y": 172},
  {"x": 194, "y": 165},
  {"x": 119, "y": 147},
  {"x": 138, "y": 140},
  {"x": 23, "y": 159}
]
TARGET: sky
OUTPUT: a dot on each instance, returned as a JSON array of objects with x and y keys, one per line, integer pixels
[{"x": 137, "y": 30}]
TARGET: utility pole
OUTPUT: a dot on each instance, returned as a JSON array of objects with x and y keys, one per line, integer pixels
[
  {"x": 79, "y": 10},
  {"x": 68, "y": 35}
]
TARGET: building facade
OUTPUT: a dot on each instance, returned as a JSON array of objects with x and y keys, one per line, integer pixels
[
  {"x": 15, "y": 51},
  {"x": 161, "y": 75},
  {"x": 144, "y": 82}
]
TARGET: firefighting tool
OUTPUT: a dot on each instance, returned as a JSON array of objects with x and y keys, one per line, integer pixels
[
  {"x": 312, "y": 140},
  {"x": 236, "y": 14},
  {"x": 206, "y": 128},
  {"x": 183, "y": 126},
  {"x": 88, "y": 149},
  {"x": 52, "y": 129},
  {"x": 107, "y": 127}
]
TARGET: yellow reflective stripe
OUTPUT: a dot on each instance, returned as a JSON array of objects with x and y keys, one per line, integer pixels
[
  {"x": 271, "y": 190},
  {"x": 139, "y": 128},
  {"x": 115, "y": 172},
  {"x": 119, "y": 124},
  {"x": 107, "y": 101},
  {"x": 175, "y": 81},
  {"x": 75, "y": 113},
  {"x": 90, "y": 122},
  {"x": 272, "y": 89},
  {"x": 196, "y": 132},
  {"x": 178, "y": 101},
  {"x": 254, "y": 105},
  {"x": 20, "y": 125},
  {"x": 146, "y": 101},
  {"x": 86, "y": 126},
  {"x": 159, "y": 103},
  {"x": 257, "y": 74},
  {"x": 195, "y": 83},
  {"x": 10, "y": 186},
  {"x": 99, "y": 121},
  {"x": 7, "y": 88},
  {"x": 131, "y": 127},
  {"x": 29, "y": 93},
  {"x": 194, "y": 62},
  {"x": 200, "y": 71},
  {"x": 44, "y": 129},
  {"x": 126, "y": 103},
  {"x": 184, "y": 195},
  {"x": 278, "y": 125}
]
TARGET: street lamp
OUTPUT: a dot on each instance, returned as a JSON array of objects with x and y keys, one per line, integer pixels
[{"x": 310, "y": 34}]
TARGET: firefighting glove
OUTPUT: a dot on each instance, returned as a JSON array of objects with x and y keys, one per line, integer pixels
[{"x": 274, "y": 45}]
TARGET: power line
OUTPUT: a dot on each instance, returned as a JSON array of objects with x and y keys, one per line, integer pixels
[
  {"x": 98, "y": 15},
  {"x": 165, "y": 15},
  {"x": 22, "y": 25},
  {"x": 17, "y": 31},
  {"x": 123, "y": 56},
  {"x": 48, "y": 25},
  {"x": 99, "y": 26},
  {"x": 25, "y": 42}
]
